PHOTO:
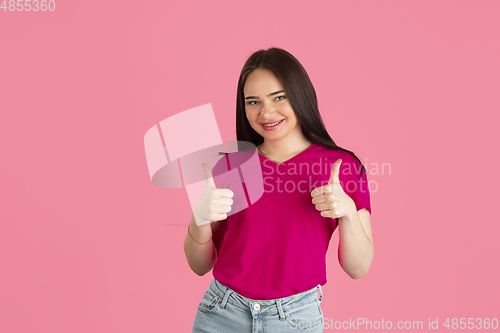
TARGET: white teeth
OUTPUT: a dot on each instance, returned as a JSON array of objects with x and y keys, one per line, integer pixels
[{"x": 276, "y": 123}]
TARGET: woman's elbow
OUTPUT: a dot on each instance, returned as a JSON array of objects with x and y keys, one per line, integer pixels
[
  {"x": 356, "y": 276},
  {"x": 199, "y": 273},
  {"x": 356, "y": 273}
]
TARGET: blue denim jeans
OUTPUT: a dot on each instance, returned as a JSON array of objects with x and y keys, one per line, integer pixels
[{"x": 222, "y": 310}]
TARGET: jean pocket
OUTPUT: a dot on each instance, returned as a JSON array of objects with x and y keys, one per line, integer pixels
[
  {"x": 305, "y": 317},
  {"x": 209, "y": 303}
]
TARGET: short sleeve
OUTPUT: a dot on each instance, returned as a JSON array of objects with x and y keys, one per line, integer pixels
[{"x": 354, "y": 182}]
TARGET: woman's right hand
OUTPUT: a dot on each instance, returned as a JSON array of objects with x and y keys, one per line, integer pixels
[{"x": 214, "y": 204}]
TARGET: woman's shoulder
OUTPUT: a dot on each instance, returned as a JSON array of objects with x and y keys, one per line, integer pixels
[
  {"x": 334, "y": 153},
  {"x": 351, "y": 164}
]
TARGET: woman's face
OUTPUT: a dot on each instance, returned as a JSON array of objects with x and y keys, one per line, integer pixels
[{"x": 267, "y": 108}]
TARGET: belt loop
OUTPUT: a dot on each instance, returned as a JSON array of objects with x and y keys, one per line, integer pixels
[
  {"x": 280, "y": 309},
  {"x": 224, "y": 300},
  {"x": 321, "y": 292}
]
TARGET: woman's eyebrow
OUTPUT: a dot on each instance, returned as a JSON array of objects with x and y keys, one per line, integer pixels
[{"x": 271, "y": 94}]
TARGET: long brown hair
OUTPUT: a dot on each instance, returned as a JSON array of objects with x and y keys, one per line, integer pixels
[{"x": 299, "y": 91}]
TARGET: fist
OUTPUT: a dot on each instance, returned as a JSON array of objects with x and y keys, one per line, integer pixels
[
  {"x": 331, "y": 200},
  {"x": 215, "y": 203}
]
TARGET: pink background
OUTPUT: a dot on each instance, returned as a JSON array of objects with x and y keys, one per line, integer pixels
[{"x": 88, "y": 244}]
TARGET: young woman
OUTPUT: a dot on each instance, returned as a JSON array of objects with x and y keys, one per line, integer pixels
[{"x": 269, "y": 260}]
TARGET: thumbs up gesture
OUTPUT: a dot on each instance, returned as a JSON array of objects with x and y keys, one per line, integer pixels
[
  {"x": 330, "y": 199},
  {"x": 214, "y": 203}
]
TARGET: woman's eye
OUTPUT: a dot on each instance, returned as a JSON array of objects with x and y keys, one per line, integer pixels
[
  {"x": 252, "y": 102},
  {"x": 279, "y": 98}
]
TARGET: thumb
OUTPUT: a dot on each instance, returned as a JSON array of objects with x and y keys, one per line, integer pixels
[
  {"x": 334, "y": 177},
  {"x": 208, "y": 176}
]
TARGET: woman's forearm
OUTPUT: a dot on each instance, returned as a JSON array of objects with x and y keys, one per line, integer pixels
[
  {"x": 355, "y": 248},
  {"x": 200, "y": 257}
]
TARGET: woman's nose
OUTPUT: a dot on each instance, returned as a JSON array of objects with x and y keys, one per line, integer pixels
[{"x": 267, "y": 111}]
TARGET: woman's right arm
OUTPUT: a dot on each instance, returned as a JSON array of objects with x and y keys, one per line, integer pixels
[{"x": 214, "y": 205}]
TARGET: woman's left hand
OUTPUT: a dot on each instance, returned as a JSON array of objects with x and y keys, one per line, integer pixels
[{"x": 330, "y": 199}]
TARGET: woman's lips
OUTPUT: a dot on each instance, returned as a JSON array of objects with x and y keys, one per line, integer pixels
[{"x": 272, "y": 128}]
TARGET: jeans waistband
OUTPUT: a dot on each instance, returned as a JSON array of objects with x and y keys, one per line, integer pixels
[{"x": 268, "y": 306}]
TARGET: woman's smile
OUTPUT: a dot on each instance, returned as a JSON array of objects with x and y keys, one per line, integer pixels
[{"x": 271, "y": 126}]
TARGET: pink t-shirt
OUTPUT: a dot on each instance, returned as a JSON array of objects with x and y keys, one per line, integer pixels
[{"x": 277, "y": 247}]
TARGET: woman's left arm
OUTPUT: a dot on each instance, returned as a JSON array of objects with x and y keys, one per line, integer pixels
[
  {"x": 355, "y": 242},
  {"x": 355, "y": 234}
]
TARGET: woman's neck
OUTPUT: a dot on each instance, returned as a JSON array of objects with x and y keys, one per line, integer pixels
[{"x": 284, "y": 149}]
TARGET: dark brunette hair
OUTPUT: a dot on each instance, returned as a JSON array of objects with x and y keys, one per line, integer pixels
[{"x": 299, "y": 91}]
